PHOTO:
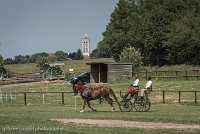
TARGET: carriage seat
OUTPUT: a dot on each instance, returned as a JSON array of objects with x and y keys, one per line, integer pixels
[
  {"x": 149, "y": 90},
  {"x": 134, "y": 94}
]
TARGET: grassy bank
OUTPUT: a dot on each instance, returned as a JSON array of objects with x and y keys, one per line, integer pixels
[{"x": 77, "y": 65}]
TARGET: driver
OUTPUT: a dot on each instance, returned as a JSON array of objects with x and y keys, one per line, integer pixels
[{"x": 133, "y": 87}]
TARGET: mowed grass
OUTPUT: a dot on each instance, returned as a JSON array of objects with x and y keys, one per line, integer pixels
[
  {"x": 36, "y": 117},
  {"x": 77, "y": 65},
  {"x": 38, "y": 114}
]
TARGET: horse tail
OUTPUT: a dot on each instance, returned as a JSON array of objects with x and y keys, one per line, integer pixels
[{"x": 113, "y": 94}]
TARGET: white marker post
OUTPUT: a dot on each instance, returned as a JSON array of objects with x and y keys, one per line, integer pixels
[
  {"x": 75, "y": 103},
  {"x": 43, "y": 98}
]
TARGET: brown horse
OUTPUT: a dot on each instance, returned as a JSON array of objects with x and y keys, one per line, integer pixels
[{"x": 96, "y": 93}]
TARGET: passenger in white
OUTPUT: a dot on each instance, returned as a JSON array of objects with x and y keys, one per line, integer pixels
[{"x": 148, "y": 87}]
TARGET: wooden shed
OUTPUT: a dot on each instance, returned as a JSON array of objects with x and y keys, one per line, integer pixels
[{"x": 106, "y": 72}]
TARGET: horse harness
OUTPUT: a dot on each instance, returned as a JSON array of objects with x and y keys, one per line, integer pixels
[{"x": 85, "y": 94}]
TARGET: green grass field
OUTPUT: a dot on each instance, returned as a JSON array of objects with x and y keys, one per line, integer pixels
[
  {"x": 17, "y": 118},
  {"x": 36, "y": 116},
  {"x": 77, "y": 65}
]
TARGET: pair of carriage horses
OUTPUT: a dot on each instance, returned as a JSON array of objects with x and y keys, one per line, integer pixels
[{"x": 88, "y": 94}]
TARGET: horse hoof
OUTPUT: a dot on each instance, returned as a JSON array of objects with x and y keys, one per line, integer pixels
[
  {"x": 112, "y": 109},
  {"x": 81, "y": 111},
  {"x": 94, "y": 110}
]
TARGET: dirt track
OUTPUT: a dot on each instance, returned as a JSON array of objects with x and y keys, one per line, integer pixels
[{"x": 133, "y": 124}]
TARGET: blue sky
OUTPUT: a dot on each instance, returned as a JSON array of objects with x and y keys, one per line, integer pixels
[{"x": 31, "y": 26}]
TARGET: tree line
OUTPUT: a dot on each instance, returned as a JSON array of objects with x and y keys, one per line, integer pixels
[
  {"x": 164, "y": 32},
  {"x": 37, "y": 57},
  {"x": 41, "y": 60}
]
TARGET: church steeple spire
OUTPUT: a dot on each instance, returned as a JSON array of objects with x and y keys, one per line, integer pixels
[{"x": 86, "y": 46}]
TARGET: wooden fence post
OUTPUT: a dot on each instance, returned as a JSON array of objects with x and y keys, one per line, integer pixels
[
  {"x": 163, "y": 96},
  {"x": 195, "y": 98},
  {"x": 197, "y": 74},
  {"x": 146, "y": 74},
  {"x": 100, "y": 100},
  {"x": 165, "y": 72},
  {"x": 156, "y": 73},
  {"x": 25, "y": 103},
  {"x": 179, "y": 96},
  {"x": 176, "y": 73},
  {"x": 63, "y": 99},
  {"x": 186, "y": 72}
]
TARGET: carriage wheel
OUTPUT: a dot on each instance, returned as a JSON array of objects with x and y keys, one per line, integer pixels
[
  {"x": 125, "y": 105},
  {"x": 142, "y": 105}
]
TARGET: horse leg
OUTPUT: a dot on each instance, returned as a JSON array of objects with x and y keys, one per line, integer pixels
[
  {"x": 110, "y": 101},
  {"x": 88, "y": 103},
  {"x": 83, "y": 106},
  {"x": 75, "y": 92}
]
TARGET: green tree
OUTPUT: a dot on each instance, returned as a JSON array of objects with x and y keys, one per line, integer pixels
[
  {"x": 19, "y": 59},
  {"x": 35, "y": 56},
  {"x": 79, "y": 55},
  {"x": 155, "y": 28},
  {"x": 97, "y": 53},
  {"x": 163, "y": 31},
  {"x": 183, "y": 41},
  {"x": 115, "y": 39},
  {"x": 8, "y": 61},
  {"x": 130, "y": 54},
  {"x": 2, "y": 69},
  {"x": 41, "y": 61},
  {"x": 61, "y": 56}
]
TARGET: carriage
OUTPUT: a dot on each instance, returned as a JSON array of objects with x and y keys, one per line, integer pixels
[{"x": 141, "y": 104}]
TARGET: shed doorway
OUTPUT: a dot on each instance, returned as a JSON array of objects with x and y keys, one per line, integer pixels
[{"x": 99, "y": 73}]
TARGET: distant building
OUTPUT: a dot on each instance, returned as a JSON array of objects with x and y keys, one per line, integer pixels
[
  {"x": 51, "y": 55},
  {"x": 86, "y": 46}
]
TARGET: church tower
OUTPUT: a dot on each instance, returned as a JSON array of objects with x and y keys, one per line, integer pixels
[{"x": 86, "y": 46}]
